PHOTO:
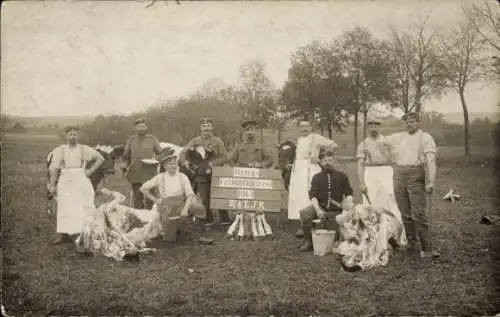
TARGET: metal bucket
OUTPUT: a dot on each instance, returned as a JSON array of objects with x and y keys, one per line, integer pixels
[{"x": 323, "y": 240}]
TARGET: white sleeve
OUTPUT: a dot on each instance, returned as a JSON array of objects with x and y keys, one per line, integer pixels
[
  {"x": 152, "y": 183},
  {"x": 186, "y": 185}
]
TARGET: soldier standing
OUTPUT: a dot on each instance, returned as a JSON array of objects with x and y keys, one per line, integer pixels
[
  {"x": 212, "y": 153},
  {"x": 140, "y": 146},
  {"x": 250, "y": 153}
]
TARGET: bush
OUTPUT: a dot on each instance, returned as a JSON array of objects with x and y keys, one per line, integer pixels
[{"x": 176, "y": 123}]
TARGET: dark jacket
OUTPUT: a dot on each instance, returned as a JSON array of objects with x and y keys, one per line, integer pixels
[
  {"x": 337, "y": 189},
  {"x": 137, "y": 149}
]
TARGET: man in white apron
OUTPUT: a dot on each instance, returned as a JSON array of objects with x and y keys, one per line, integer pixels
[
  {"x": 306, "y": 165},
  {"x": 75, "y": 194},
  {"x": 376, "y": 174}
]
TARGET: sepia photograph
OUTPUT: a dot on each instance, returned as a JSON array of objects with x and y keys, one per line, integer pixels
[{"x": 250, "y": 158}]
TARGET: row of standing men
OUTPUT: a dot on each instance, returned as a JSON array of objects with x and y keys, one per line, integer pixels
[{"x": 402, "y": 164}]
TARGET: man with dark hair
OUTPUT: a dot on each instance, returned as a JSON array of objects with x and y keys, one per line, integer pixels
[
  {"x": 140, "y": 146},
  {"x": 211, "y": 152},
  {"x": 414, "y": 155},
  {"x": 330, "y": 188}
]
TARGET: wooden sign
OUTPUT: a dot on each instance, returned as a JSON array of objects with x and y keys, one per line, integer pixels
[{"x": 246, "y": 189}]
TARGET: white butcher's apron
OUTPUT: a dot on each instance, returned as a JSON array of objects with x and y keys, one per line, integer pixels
[
  {"x": 75, "y": 199},
  {"x": 379, "y": 183},
  {"x": 300, "y": 180}
]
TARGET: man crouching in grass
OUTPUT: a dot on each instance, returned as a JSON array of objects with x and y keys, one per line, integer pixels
[
  {"x": 328, "y": 188},
  {"x": 177, "y": 198}
]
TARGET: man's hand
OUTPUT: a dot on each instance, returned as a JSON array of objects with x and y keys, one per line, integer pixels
[
  {"x": 314, "y": 160},
  {"x": 363, "y": 189},
  {"x": 184, "y": 212},
  {"x": 52, "y": 190},
  {"x": 289, "y": 165},
  {"x": 210, "y": 164},
  {"x": 429, "y": 188},
  {"x": 320, "y": 213}
]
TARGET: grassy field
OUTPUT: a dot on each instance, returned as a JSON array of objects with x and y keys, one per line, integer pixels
[{"x": 264, "y": 278}]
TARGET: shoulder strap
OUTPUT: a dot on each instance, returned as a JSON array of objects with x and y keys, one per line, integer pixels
[{"x": 81, "y": 157}]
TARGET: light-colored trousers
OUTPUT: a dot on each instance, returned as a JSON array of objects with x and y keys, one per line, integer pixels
[{"x": 380, "y": 185}]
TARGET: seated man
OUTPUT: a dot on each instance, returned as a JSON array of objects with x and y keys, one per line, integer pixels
[
  {"x": 328, "y": 188},
  {"x": 176, "y": 197}
]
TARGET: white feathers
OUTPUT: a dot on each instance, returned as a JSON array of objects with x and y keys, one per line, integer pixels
[{"x": 450, "y": 196}]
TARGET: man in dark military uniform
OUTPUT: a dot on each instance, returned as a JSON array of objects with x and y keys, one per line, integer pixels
[
  {"x": 201, "y": 154},
  {"x": 250, "y": 153},
  {"x": 140, "y": 146}
]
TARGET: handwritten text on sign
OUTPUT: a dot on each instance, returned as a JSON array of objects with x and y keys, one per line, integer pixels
[
  {"x": 246, "y": 204},
  {"x": 246, "y": 183},
  {"x": 246, "y": 189}
]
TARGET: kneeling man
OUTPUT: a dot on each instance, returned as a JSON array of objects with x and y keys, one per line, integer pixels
[{"x": 329, "y": 188}]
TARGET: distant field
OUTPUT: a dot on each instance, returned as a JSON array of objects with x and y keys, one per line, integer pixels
[{"x": 264, "y": 278}]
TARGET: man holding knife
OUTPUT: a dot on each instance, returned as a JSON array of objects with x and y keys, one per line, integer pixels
[{"x": 414, "y": 157}]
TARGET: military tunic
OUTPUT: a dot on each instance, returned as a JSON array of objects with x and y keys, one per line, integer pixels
[
  {"x": 138, "y": 148},
  {"x": 248, "y": 153},
  {"x": 203, "y": 179}
]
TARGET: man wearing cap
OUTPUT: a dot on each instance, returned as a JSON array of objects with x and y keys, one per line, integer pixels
[
  {"x": 213, "y": 151},
  {"x": 75, "y": 194},
  {"x": 306, "y": 165},
  {"x": 414, "y": 157},
  {"x": 330, "y": 192},
  {"x": 139, "y": 146},
  {"x": 375, "y": 172},
  {"x": 174, "y": 197},
  {"x": 250, "y": 153}
]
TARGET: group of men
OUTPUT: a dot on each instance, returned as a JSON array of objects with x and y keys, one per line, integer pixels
[
  {"x": 140, "y": 146},
  {"x": 396, "y": 172}
]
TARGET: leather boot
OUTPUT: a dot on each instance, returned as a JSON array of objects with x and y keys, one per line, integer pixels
[
  {"x": 307, "y": 246},
  {"x": 299, "y": 233}
]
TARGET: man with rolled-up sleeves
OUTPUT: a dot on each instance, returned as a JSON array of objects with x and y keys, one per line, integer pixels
[{"x": 414, "y": 157}]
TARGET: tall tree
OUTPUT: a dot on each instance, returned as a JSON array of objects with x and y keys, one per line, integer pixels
[
  {"x": 315, "y": 89},
  {"x": 485, "y": 19},
  {"x": 257, "y": 93},
  {"x": 463, "y": 51},
  {"x": 418, "y": 71},
  {"x": 366, "y": 69}
]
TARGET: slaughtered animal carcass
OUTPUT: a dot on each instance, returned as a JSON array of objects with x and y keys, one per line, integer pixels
[
  {"x": 118, "y": 231},
  {"x": 368, "y": 235}
]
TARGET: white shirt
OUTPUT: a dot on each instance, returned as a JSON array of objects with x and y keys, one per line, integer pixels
[
  {"x": 66, "y": 156},
  {"x": 410, "y": 149},
  {"x": 170, "y": 185}
]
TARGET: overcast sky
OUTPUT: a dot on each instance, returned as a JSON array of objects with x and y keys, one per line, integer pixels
[{"x": 62, "y": 58}]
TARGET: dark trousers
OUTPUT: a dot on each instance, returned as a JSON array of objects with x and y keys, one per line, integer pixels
[
  {"x": 203, "y": 189},
  {"x": 139, "y": 202},
  {"x": 409, "y": 190},
  {"x": 308, "y": 214}
]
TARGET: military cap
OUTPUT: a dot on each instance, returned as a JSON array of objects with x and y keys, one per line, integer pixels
[
  {"x": 411, "y": 115},
  {"x": 246, "y": 123},
  {"x": 71, "y": 128},
  {"x": 140, "y": 120},
  {"x": 206, "y": 120}
]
